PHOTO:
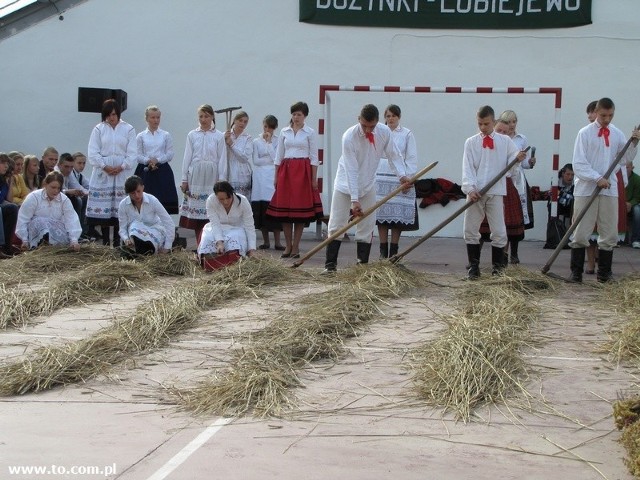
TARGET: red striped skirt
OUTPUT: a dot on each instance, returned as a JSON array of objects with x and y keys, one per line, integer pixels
[{"x": 294, "y": 200}]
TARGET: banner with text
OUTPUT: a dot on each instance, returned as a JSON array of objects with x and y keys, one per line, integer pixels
[{"x": 469, "y": 14}]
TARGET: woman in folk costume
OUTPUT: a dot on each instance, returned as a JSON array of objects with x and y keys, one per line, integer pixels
[
  {"x": 400, "y": 213},
  {"x": 47, "y": 215},
  {"x": 204, "y": 164},
  {"x": 510, "y": 118},
  {"x": 239, "y": 153},
  {"x": 264, "y": 154},
  {"x": 155, "y": 152},
  {"x": 296, "y": 200},
  {"x": 145, "y": 225},
  {"x": 112, "y": 154},
  {"x": 230, "y": 224}
]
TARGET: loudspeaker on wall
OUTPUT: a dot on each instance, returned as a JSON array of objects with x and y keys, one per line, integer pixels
[{"x": 91, "y": 99}]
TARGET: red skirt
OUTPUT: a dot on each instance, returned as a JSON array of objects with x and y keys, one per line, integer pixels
[
  {"x": 513, "y": 218},
  {"x": 295, "y": 201}
]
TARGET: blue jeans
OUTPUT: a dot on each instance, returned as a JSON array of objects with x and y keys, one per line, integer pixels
[{"x": 634, "y": 216}]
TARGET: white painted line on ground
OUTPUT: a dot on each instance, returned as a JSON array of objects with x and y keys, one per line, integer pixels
[
  {"x": 577, "y": 359},
  {"x": 179, "y": 458}
]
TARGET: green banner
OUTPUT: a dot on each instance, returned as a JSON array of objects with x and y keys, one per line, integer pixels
[{"x": 469, "y": 14}]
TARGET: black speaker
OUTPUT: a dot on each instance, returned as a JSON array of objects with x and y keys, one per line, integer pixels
[{"x": 91, "y": 99}]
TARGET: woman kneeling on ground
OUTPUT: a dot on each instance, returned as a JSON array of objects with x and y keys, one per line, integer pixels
[
  {"x": 230, "y": 224},
  {"x": 47, "y": 216},
  {"x": 145, "y": 225}
]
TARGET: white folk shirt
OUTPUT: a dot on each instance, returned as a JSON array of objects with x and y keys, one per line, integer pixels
[
  {"x": 204, "y": 146},
  {"x": 239, "y": 157},
  {"x": 158, "y": 145},
  {"x": 114, "y": 147},
  {"x": 240, "y": 215},
  {"x": 151, "y": 213},
  {"x": 60, "y": 209},
  {"x": 300, "y": 144},
  {"x": 359, "y": 162},
  {"x": 481, "y": 165},
  {"x": 592, "y": 158}
]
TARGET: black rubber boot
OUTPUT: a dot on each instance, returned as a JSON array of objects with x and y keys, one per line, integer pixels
[
  {"x": 498, "y": 260},
  {"x": 384, "y": 250},
  {"x": 331, "y": 258},
  {"x": 393, "y": 249},
  {"x": 363, "y": 250},
  {"x": 473, "y": 254},
  {"x": 577, "y": 264},
  {"x": 605, "y": 258},
  {"x": 514, "y": 252}
]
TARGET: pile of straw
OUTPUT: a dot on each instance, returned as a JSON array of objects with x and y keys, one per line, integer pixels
[
  {"x": 99, "y": 274},
  {"x": 151, "y": 326},
  {"x": 93, "y": 283},
  {"x": 263, "y": 371},
  {"x": 624, "y": 343},
  {"x": 626, "y": 414},
  {"x": 47, "y": 261},
  {"x": 477, "y": 359}
]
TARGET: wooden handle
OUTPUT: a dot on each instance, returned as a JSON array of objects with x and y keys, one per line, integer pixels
[{"x": 364, "y": 215}]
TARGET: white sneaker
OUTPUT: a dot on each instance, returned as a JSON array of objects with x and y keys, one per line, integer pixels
[{"x": 635, "y": 244}]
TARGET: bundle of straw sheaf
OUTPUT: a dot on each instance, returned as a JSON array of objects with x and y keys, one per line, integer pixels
[
  {"x": 97, "y": 275},
  {"x": 478, "y": 359},
  {"x": 626, "y": 413},
  {"x": 153, "y": 325},
  {"x": 45, "y": 262},
  {"x": 263, "y": 371},
  {"x": 624, "y": 343}
]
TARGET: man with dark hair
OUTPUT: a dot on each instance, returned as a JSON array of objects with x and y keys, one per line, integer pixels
[
  {"x": 363, "y": 145},
  {"x": 597, "y": 146}
]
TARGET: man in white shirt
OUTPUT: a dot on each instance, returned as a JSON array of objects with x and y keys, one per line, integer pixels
[
  {"x": 71, "y": 187},
  {"x": 597, "y": 146},
  {"x": 363, "y": 145}
]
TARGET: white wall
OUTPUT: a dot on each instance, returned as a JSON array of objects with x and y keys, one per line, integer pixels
[{"x": 179, "y": 55}]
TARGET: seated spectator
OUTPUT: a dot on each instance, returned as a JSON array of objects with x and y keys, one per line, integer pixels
[
  {"x": 79, "y": 163},
  {"x": 565, "y": 194},
  {"x": 8, "y": 208},
  {"x": 30, "y": 174},
  {"x": 145, "y": 225},
  {"x": 230, "y": 224},
  {"x": 20, "y": 190},
  {"x": 71, "y": 187},
  {"x": 47, "y": 216},
  {"x": 48, "y": 162},
  {"x": 632, "y": 194}
]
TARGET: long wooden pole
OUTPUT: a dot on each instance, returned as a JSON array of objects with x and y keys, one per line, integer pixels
[
  {"x": 583, "y": 212},
  {"x": 358, "y": 219},
  {"x": 447, "y": 221}
]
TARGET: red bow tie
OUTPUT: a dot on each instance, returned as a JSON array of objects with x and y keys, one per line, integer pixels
[
  {"x": 487, "y": 142},
  {"x": 370, "y": 138},
  {"x": 604, "y": 132}
]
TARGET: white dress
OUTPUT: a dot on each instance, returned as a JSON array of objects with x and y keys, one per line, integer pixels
[
  {"x": 113, "y": 147},
  {"x": 264, "y": 169},
  {"x": 235, "y": 229},
  {"x": 239, "y": 156},
  {"x": 401, "y": 209},
  {"x": 204, "y": 164},
  {"x": 151, "y": 224},
  {"x": 38, "y": 216}
]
